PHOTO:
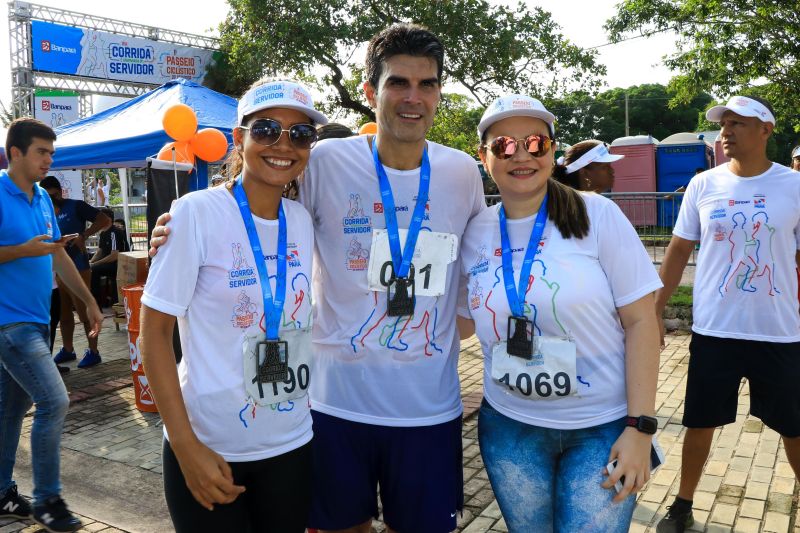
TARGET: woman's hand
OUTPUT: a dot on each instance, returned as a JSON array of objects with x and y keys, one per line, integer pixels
[
  {"x": 207, "y": 475},
  {"x": 159, "y": 235},
  {"x": 632, "y": 452}
]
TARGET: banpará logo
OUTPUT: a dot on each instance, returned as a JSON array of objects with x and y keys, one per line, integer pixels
[{"x": 45, "y": 46}]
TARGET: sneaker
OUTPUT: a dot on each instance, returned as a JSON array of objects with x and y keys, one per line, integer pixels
[
  {"x": 63, "y": 356},
  {"x": 90, "y": 358},
  {"x": 14, "y": 505},
  {"x": 678, "y": 520},
  {"x": 53, "y": 515}
]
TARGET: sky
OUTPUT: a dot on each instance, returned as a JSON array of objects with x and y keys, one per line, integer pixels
[{"x": 628, "y": 63}]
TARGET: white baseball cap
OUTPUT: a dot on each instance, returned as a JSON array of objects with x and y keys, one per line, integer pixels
[
  {"x": 515, "y": 105},
  {"x": 279, "y": 93},
  {"x": 795, "y": 152},
  {"x": 744, "y": 106}
]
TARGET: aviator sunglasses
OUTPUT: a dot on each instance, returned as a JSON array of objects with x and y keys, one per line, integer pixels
[
  {"x": 504, "y": 147},
  {"x": 267, "y": 132}
]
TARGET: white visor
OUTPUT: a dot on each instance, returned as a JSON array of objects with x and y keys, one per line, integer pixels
[
  {"x": 744, "y": 106},
  {"x": 598, "y": 154}
]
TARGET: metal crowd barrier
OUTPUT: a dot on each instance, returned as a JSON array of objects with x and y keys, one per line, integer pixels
[
  {"x": 138, "y": 224},
  {"x": 652, "y": 214}
]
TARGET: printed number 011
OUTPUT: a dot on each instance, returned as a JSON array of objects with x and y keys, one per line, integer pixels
[
  {"x": 540, "y": 384},
  {"x": 388, "y": 269}
]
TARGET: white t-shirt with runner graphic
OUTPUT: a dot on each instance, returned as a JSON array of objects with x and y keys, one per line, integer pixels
[
  {"x": 206, "y": 276},
  {"x": 749, "y": 232},
  {"x": 372, "y": 368},
  {"x": 575, "y": 288}
]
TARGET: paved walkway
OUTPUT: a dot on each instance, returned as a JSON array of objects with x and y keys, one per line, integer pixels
[{"x": 111, "y": 458}]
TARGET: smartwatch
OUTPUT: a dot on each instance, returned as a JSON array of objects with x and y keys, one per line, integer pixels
[{"x": 645, "y": 424}]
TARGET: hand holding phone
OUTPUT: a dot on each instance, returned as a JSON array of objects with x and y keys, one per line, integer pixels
[
  {"x": 67, "y": 238},
  {"x": 656, "y": 460}
]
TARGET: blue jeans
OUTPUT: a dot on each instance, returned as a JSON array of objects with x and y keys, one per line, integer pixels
[
  {"x": 548, "y": 480},
  {"x": 28, "y": 376}
]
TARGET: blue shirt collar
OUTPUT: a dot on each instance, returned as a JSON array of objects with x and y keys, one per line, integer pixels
[{"x": 13, "y": 190}]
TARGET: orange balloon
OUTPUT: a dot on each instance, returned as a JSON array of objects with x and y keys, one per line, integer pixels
[
  {"x": 180, "y": 122},
  {"x": 370, "y": 128},
  {"x": 183, "y": 152},
  {"x": 209, "y": 144}
]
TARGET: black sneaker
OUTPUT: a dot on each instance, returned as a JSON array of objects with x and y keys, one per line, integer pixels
[
  {"x": 678, "y": 520},
  {"x": 14, "y": 505},
  {"x": 54, "y": 516}
]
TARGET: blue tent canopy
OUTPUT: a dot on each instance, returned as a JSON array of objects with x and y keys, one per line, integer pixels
[{"x": 125, "y": 135}]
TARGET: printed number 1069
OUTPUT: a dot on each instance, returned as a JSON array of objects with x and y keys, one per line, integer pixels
[{"x": 541, "y": 384}]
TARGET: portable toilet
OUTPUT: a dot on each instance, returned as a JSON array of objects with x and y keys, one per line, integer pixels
[
  {"x": 714, "y": 148},
  {"x": 677, "y": 159},
  {"x": 636, "y": 173}
]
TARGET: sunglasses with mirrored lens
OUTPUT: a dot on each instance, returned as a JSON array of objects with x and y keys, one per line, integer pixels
[
  {"x": 267, "y": 132},
  {"x": 504, "y": 147}
]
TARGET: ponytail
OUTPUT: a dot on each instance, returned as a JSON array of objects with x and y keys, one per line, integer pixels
[{"x": 565, "y": 207}]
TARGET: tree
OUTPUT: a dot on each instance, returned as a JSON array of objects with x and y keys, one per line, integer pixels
[
  {"x": 456, "y": 124},
  {"x": 726, "y": 46},
  {"x": 488, "y": 48},
  {"x": 580, "y": 116}
]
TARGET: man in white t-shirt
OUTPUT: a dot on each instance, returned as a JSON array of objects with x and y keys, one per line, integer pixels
[
  {"x": 746, "y": 215},
  {"x": 386, "y": 398}
]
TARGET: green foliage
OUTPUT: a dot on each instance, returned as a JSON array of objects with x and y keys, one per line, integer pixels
[
  {"x": 682, "y": 297},
  {"x": 489, "y": 48},
  {"x": 580, "y": 116},
  {"x": 726, "y": 47},
  {"x": 456, "y": 124}
]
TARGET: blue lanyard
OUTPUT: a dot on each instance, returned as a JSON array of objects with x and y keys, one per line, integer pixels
[
  {"x": 402, "y": 263},
  {"x": 272, "y": 308},
  {"x": 516, "y": 295}
]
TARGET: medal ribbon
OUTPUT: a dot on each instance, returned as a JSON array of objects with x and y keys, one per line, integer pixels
[
  {"x": 516, "y": 295},
  {"x": 273, "y": 307},
  {"x": 402, "y": 263}
]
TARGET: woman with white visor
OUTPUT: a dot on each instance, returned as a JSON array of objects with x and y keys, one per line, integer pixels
[{"x": 586, "y": 166}]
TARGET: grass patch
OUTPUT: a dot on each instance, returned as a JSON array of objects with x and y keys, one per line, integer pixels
[{"x": 682, "y": 297}]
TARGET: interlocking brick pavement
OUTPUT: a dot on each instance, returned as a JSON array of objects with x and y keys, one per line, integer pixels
[{"x": 747, "y": 484}]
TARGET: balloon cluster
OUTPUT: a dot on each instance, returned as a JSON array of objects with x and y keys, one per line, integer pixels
[{"x": 180, "y": 123}]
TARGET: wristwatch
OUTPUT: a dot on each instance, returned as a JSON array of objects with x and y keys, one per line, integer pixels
[{"x": 645, "y": 424}]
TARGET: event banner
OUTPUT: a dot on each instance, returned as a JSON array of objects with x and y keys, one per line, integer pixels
[
  {"x": 98, "y": 54},
  {"x": 56, "y": 108}
]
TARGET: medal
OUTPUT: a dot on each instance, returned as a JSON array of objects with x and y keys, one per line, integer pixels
[
  {"x": 272, "y": 353},
  {"x": 520, "y": 337},
  {"x": 400, "y": 302},
  {"x": 519, "y": 333},
  {"x": 272, "y": 363}
]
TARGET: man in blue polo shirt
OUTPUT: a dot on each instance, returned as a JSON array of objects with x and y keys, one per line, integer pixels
[{"x": 31, "y": 246}]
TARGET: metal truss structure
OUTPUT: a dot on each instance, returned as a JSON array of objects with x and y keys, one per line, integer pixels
[{"x": 25, "y": 80}]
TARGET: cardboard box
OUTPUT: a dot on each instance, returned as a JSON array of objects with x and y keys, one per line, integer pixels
[{"x": 131, "y": 268}]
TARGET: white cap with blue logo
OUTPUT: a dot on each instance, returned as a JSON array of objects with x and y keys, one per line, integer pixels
[{"x": 279, "y": 93}]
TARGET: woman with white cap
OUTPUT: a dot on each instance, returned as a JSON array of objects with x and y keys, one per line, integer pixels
[
  {"x": 568, "y": 332},
  {"x": 236, "y": 274},
  {"x": 586, "y": 166}
]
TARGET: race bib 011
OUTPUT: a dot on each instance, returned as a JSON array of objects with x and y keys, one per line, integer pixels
[
  {"x": 434, "y": 251},
  {"x": 549, "y": 375}
]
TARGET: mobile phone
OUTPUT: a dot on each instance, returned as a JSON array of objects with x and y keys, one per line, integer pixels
[
  {"x": 69, "y": 237},
  {"x": 656, "y": 460}
]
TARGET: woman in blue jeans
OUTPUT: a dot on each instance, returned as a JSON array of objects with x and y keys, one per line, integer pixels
[{"x": 560, "y": 292}]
